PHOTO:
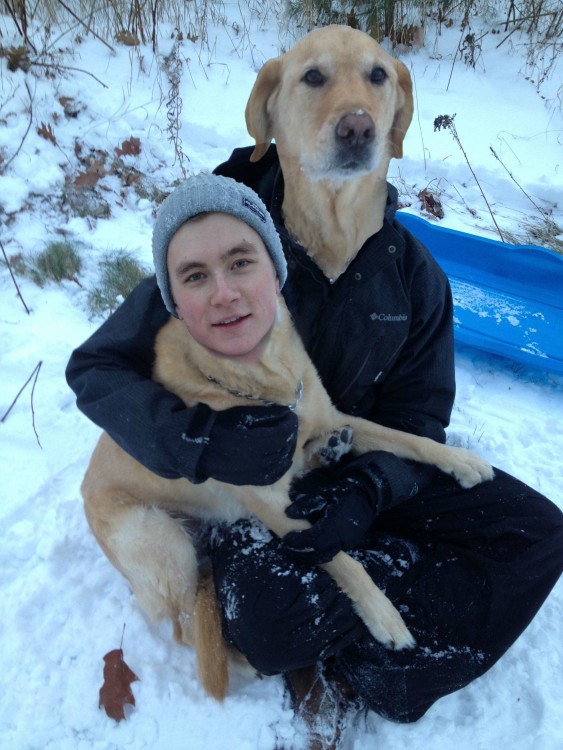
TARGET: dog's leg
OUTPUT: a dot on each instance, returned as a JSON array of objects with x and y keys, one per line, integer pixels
[
  {"x": 467, "y": 468},
  {"x": 152, "y": 551},
  {"x": 380, "y": 616}
]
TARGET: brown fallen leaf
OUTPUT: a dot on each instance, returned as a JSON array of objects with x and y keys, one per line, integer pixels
[
  {"x": 86, "y": 179},
  {"x": 431, "y": 204},
  {"x": 130, "y": 147},
  {"x": 116, "y": 691},
  {"x": 46, "y": 131}
]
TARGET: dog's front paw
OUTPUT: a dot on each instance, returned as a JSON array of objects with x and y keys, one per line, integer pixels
[
  {"x": 469, "y": 469},
  {"x": 338, "y": 444}
]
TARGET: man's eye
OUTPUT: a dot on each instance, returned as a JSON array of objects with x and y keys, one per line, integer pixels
[
  {"x": 314, "y": 77},
  {"x": 196, "y": 276},
  {"x": 241, "y": 263}
]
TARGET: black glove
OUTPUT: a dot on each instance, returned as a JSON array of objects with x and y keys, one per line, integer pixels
[
  {"x": 342, "y": 502},
  {"x": 247, "y": 444},
  {"x": 341, "y": 512}
]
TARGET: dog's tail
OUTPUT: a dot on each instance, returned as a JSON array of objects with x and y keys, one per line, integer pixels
[{"x": 211, "y": 649}]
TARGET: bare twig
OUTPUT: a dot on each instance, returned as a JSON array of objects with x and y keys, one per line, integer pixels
[
  {"x": 66, "y": 67},
  {"x": 32, "y": 409},
  {"x": 54, "y": 42},
  {"x": 534, "y": 18},
  {"x": 12, "y": 13},
  {"x": 34, "y": 375},
  {"x": 18, "y": 13},
  {"x": 458, "y": 49},
  {"x": 515, "y": 181},
  {"x": 447, "y": 122},
  {"x": 513, "y": 31},
  {"x": 154, "y": 25},
  {"x": 14, "y": 278},
  {"x": 19, "y": 148},
  {"x": 88, "y": 28},
  {"x": 417, "y": 110}
]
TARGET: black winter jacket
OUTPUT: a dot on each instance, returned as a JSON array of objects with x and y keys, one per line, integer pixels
[{"x": 381, "y": 338}]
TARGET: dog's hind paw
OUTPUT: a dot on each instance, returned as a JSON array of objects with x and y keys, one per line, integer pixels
[{"x": 386, "y": 624}]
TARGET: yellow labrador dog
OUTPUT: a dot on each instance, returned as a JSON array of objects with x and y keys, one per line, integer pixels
[{"x": 338, "y": 107}]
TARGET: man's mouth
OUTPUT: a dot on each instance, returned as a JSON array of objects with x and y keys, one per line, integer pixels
[{"x": 229, "y": 322}]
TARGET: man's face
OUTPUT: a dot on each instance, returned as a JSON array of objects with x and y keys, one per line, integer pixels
[{"x": 224, "y": 285}]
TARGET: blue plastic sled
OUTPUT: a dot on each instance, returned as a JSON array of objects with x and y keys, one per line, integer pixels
[{"x": 508, "y": 299}]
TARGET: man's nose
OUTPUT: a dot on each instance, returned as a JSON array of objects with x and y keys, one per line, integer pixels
[{"x": 224, "y": 291}]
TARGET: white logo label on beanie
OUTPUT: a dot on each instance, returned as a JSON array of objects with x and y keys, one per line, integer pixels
[{"x": 254, "y": 208}]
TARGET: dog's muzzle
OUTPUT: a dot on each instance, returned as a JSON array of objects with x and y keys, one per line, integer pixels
[{"x": 354, "y": 137}]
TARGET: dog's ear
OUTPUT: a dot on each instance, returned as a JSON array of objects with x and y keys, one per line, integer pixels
[
  {"x": 403, "y": 115},
  {"x": 258, "y": 118}
]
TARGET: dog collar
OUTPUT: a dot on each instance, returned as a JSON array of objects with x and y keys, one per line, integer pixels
[{"x": 252, "y": 397}]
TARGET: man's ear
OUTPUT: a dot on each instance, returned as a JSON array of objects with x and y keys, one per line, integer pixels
[
  {"x": 404, "y": 112},
  {"x": 258, "y": 108}
]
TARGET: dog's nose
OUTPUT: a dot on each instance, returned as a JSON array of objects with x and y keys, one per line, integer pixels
[{"x": 355, "y": 129}]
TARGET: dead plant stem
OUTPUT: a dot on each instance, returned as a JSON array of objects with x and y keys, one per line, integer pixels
[
  {"x": 458, "y": 48},
  {"x": 34, "y": 375},
  {"x": 67, "y": 67},
  {"x": 447, "y": 122},
  {"x": 11, "y": 159},
  {"x": 14, "y": 278},
  {"x": 87, "y": 27},
  {"x": 515, "y": 181},
  {"x": 458, "y": 141}
]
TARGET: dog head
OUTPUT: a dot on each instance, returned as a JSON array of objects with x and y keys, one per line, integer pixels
[{"x": 336, "y": 103}]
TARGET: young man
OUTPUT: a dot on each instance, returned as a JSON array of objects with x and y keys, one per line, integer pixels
[
  {"x": 224, "y": 285},
  {"x": 467, "y": 568}
]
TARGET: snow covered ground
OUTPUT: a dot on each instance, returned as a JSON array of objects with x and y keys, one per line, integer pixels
[{"x": 62, "y": 605}]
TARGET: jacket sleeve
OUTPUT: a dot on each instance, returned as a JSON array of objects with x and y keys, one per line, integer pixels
[{"x": 110, "y": 374}]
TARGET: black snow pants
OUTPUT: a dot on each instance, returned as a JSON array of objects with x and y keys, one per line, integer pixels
[{"x": 467, "y": 569}]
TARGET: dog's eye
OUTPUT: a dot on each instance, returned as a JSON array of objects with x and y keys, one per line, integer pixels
[
  {"x": 314, "y": 77},
  {"x": 378, "y": 75}
]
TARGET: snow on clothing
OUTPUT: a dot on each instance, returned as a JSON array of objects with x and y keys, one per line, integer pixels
[{"x": 467, "y": 568}]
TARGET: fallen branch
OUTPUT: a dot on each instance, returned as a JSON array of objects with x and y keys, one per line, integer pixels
[
  {"x": 34, "y": 375},
  {"x": 14, "y": 278}
]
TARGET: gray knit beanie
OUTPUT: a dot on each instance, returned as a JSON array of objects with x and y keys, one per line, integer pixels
[{"x": 205, "y": 193}]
